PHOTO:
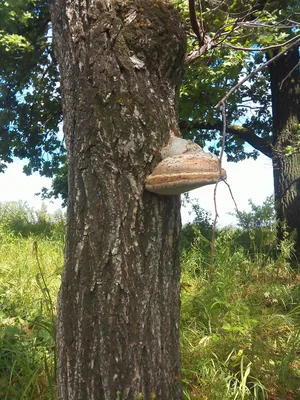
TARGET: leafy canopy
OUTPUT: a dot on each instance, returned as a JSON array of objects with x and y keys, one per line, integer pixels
[
  {"x": 238, "y": 37},
  {"x": 30, "y": 109}
]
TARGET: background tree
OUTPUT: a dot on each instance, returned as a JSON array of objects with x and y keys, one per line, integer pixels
[
  {"x": 233, "y": 39},
  {"x": 30, "y": 108},
  {"x": 118, "y": 318},
  {"x": 201, "y": 225}
]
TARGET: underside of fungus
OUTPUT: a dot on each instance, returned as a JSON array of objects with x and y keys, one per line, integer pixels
[{"x": 185, "y": 166}]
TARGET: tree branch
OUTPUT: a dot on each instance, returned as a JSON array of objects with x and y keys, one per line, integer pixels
[
  {"x": 260, "y": 144},
  {"x": 264, "y": 26},
  {"x": 194, "y": 22},
  {"x": 195, "y": 54},
  {"x": 275, "y": 46},
  {"x": 212, "y": 244},
  {"x": 296, "y": 43},
  {"x": 290, "y": 73}
]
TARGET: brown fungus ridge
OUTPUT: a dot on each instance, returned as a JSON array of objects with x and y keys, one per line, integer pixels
[{"x": 184, "y": 172}]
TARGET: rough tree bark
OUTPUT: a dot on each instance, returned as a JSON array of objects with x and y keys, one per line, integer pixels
[
  {"x": 285, "y": 89},
  {"x": 118, "y": 317}
]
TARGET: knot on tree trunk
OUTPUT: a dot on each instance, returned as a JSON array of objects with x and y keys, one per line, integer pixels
[{"x": 153, "y": 32}]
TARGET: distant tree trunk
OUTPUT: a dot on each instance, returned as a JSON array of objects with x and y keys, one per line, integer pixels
[
  {"x": 118, "y": 315},
  {"x": 285, "y": 88}
]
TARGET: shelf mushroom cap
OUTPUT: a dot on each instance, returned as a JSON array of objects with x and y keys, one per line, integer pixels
[
  {"x": 184, "y": 172},
  {"x": 178, "y": 145}
]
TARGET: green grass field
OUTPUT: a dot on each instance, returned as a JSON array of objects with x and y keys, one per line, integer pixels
[
  {"x": 240, "y": 331},
  {"x": 28, "y": 291}
]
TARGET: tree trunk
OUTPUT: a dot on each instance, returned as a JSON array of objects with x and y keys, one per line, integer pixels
[
  {"x": 285, "y": 88},
  {"x": 118, "y": 314}
]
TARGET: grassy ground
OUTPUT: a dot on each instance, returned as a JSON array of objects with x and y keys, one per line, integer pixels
[
  {"x": 30, "y": 271},
  {"x": 240, "y": 332}
]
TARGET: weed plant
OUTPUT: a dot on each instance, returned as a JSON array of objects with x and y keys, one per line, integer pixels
[{"x": 17, "y": 218}]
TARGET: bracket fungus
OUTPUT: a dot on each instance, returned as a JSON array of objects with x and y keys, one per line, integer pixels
[{"x": 185, "y": 166}]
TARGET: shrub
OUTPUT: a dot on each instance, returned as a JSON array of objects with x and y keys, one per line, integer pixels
[{"x": 20, "y": 219}]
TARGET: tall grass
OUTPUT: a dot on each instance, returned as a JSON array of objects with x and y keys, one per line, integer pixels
[
  {"x": 30, "y": 270},
  {"x": 240, "y": 332}
]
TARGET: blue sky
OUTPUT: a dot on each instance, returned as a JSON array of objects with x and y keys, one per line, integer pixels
[{"x": 248, "y": 179}]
